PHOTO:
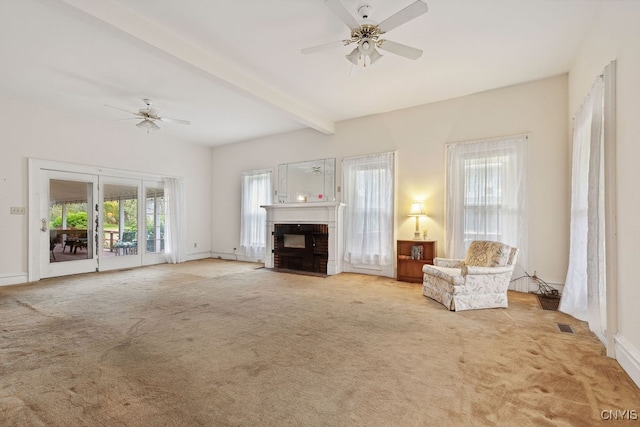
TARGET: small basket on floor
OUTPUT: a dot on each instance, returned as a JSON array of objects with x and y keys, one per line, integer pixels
[{"x": 549, "y": 302}]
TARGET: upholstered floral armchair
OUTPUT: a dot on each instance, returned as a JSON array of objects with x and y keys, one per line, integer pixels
[{"x": 478, "y": 281}]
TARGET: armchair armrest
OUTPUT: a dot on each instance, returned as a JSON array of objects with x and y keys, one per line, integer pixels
[
  {"x": 448, "y": 262},
  {"x": 473, "y": 270}
]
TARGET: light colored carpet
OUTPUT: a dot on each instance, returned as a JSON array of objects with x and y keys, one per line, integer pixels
[{"x": 225, "y": 343}]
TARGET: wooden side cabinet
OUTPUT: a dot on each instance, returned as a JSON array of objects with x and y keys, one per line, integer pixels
[{"x": 412, "y": 255}]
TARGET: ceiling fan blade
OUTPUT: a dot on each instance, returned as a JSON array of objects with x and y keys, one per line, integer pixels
[
  {"x": 400, "y": 49},
  {"x": 323, "y": 46},
  {"x": 179, "y": 121},
  {"x": 338, "y": 8},
  {"x": 410, "y": 12},
  {"x": 122, "y": 109}
]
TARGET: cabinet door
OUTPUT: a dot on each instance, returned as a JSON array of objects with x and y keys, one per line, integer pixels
[
  {"x": 410, "y": 270},
  {"x": 407, "y": 268}
]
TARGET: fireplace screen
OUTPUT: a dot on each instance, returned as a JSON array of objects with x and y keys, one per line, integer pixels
[{"x": 294, "y": 241}]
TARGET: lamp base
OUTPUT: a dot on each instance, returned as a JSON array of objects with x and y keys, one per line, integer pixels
[{"x": 417, "y": 236}]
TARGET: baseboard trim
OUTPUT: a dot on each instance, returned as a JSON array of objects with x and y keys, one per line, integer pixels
[
  {"x": 14, "y": 279},
  {"x": 235, "y": 257},
  {"x": 199, "y": 255},
  {"x": 628, "y": 357}
]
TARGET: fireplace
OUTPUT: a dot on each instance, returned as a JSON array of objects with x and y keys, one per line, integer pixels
[
  {"x": 302, "y": 247},
  {"x": 305, "y": 237}
]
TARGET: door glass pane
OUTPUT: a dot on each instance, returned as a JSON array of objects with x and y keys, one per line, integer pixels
[
  {"x": 70, "y": 221},
  {"x": 154, "y": 218},
  {"x": 120, "y": 225}
]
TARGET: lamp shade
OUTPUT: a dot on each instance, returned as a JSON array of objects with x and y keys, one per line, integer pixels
[
  {"x": 366, "y": 46},
  {"x": 374, "y": 56},
  {"x": 417, "y": 209},
  {"x": 365, "y": 53},
  {"x": 353, "y": 56},
  {"x": 147, "y": 125}
]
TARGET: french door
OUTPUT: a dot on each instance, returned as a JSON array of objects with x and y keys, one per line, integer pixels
[
  {"x": 68, "y": 213},
  {"x": 85, "y": 222},
  {"x": 120, "y": 221},
  {"x": 131, "y": 220},
  {"x": 154, "y": 222}
]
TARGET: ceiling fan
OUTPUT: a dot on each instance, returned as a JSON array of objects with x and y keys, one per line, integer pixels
[
  {"x": 149, "y": 115},
  {"x": 366, "y": 34}
]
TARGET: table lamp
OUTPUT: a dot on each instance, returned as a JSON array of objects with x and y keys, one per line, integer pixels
[{"x": 417, "y": 210}]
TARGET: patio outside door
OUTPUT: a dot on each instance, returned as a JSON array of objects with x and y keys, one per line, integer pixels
[
  {"x": 85, "y": 219},
  {"x": 68, "y": 222},
  {"x": 121, "y": 245}
]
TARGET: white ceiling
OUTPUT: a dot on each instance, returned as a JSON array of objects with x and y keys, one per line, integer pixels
[{"x": 234, "y": 68}]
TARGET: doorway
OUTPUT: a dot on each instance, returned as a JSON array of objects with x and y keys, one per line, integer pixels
[
  {"x": 67, "y": 226},
  {"x": 120, "y": 217},
  {"x": 89, "y": 219}
]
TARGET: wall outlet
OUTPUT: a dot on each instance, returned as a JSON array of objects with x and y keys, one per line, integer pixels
[
  {"x": 195, "y": 245},
  {"x": 18, "y": 210}
]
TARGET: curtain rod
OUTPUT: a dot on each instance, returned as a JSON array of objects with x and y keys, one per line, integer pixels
[{"x": 490, "y": 139}]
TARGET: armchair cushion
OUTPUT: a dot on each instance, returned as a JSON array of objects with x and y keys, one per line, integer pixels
[
  {"x": 448, "y": 262},
  {"x": 450, "y": 275},
  {"x": 487, "y": 254}
]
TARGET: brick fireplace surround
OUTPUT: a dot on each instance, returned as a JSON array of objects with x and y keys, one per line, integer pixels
[{"x": 309, "y": 228}]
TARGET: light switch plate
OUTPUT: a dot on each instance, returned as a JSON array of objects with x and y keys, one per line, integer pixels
[{"x": 17, "y": 210}]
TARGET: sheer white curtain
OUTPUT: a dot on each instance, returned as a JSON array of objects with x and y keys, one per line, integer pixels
[
  {"x": 368, "y": 183},
  {"x": 256, "y": 191},
  {"x": 486, "y": 194},
  {"x": 175, "y": 220},
  {"x": 583, "y": 296}
]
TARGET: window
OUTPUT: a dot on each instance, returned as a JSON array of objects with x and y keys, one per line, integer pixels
[
  {"x": 484, "y": 200},
  {"x": 589, "y": 292},
  {"x": 368, "y": 183},
  {"x": 486, "y": 194},
  {"x": 256, "y": 191}
]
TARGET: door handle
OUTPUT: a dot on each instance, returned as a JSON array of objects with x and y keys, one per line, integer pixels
[{"x": 44, "y": 224}]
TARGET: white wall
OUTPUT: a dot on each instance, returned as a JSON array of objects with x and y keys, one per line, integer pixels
[
  {"x": 419, "y": 135},
  {"x": 30, "y": 131},
  {"x": 615, "y": 35}
]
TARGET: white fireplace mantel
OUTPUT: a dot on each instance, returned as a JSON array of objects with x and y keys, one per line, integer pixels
[{"x": 329, "y": 213}]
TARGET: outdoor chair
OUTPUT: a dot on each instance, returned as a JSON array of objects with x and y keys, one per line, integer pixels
[
  {"x": 52, "y": 246},
  {"x": 128, "y": 244}
]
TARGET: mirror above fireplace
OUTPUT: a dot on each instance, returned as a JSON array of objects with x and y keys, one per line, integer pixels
[{"x": 309, "y": 181}]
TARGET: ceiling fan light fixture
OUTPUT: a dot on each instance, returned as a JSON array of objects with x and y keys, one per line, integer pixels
[
  {"x": 366, "y": 33},
  {"x": 147, "y": 125},
  {"x": 374, "y": 56},
  {"x": 149, "y": 116},
  {"x": 366, "y": 46},
  {"x": 353, "y": 56}
]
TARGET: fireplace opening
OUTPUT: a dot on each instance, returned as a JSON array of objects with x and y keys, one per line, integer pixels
[
  {"x": 301, "y": 247},
  {"x": 294, "y": 241}
]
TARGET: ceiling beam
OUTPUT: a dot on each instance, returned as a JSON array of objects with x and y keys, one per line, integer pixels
[{"x": 160, "y": 38}]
